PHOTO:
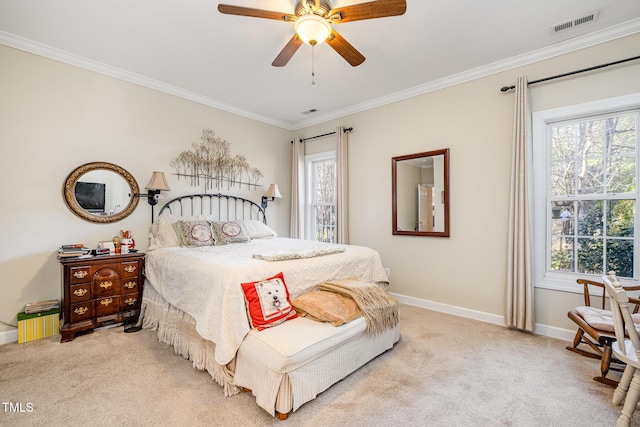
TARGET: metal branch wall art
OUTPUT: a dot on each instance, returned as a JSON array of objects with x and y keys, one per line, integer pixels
[{"x": 210, "y": 164}]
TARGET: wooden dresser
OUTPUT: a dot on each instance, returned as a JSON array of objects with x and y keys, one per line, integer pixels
[{"x": 100, "y": 290}]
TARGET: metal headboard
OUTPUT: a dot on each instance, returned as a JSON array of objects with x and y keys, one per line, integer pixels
[{"x": 223, "y": 207}]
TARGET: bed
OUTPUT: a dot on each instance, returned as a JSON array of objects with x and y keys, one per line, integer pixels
[{"x": 193, "y": 298}]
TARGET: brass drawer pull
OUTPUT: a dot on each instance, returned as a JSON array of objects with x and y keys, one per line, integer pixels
[
  {"x": 130, "y": 285},
  {"x": 81, "y": 310},
  {"x": 130, "y": 301},
  {"x": 106, "y": 302},
  {"x": 80, "y": 274},
  {"x": 130, "y": 268},
  {"x": 106, "y": 285},
  {"x": 80, "y": 292}
]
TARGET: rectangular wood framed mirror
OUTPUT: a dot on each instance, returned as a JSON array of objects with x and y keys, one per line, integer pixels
[{"x": 420, "y": 194}]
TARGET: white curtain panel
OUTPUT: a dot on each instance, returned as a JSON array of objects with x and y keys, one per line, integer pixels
[
  {"x": 519, "y": 294},
  {"x": 342, "y": 185},
  {"x": 296, "y": 230}
]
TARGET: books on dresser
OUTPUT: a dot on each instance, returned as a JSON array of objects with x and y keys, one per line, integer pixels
[{"x": 73, "y": 250}]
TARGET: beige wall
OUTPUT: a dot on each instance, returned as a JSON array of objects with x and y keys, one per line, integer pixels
[
  {"x": 474, "y": 120},
  {"x": 56, "y": 117}
]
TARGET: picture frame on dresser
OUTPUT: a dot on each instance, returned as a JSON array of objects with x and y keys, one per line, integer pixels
[{"x": 99, "y": 291}]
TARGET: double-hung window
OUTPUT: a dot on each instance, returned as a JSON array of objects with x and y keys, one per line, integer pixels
[
  {"x": 587, "y": 208},
  {"x": 320, "y": 224}
]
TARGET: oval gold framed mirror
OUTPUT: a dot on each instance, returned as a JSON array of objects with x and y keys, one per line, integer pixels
[
  {"x": 101, "y": 192},
  {"x": 420, "y": 194}
]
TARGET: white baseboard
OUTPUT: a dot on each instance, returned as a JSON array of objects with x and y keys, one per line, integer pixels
[
  {"x": 549, "y": 331},
  {"x": 7, "y": 337},
  {"x": 546, "y": 330}
]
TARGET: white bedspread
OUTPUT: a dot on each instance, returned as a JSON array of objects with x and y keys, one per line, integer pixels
[{"x": 205, "y": 282}]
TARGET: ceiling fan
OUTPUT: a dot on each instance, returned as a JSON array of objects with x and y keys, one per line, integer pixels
[{"x": 313, "y": 20}]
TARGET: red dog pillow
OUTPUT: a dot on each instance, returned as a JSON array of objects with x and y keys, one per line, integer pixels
[{"x": 268, "y": 302}]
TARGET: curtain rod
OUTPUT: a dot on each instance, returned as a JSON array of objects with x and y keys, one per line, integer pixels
[
  {"x": 508, "y": 88},
  {"x": 324, "y": 134}
]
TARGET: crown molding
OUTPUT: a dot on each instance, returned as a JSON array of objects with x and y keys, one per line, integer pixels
[
  {"x": 46, "y": 51},
  {"x": 571, "y": 45},
  {"x": 626, "y": 29}
]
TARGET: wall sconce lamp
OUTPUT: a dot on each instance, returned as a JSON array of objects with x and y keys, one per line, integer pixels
[
  {"x": 270, "y": 195},
  {"x": 156, "y": 184}
]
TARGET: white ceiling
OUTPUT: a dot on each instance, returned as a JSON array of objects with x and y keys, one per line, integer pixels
[{"x": 188, "y": 48}]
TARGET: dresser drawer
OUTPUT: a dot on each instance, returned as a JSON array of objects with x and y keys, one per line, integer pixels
[
  {"x": 80, "y": 274},
  {"x": 130, "y": 302},
  {"x": 79, "y": 293},
  {"x": 105, "y": 287},
  {"x": 105, "y": 281},
  {"x": 129, "y": 269},
  {"x": 129, "y": 286},
  {"x": 81, "y": 311},
  {"x": 106, "y": 306}
]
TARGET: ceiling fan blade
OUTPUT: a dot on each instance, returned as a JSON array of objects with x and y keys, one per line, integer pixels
[
  {"x": 370, "y": 10},
  {"x": 255, "y": 13},
  {"x": 344, "y": 48},
  {"x": 287, "y": 52}
]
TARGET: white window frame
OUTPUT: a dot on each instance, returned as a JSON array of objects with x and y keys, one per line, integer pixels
[
  {"x": 541, "y": 161},
  {"x": 309, "y": 160}
]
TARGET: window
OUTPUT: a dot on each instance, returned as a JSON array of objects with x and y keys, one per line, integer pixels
[
  {"x": 587, "y": 200},
  {"x": 321, "y": 197}
]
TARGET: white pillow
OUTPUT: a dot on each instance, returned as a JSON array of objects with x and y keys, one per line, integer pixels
[
  {"x": 258, "y": 229},
  {"x": 162, "y": 232}
]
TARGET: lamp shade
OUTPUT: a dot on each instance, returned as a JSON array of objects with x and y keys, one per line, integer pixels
[
  {"x": 157, "y": 182},
  {"x": 312, "y": 29},
  {"x": 273, "y": 191}
]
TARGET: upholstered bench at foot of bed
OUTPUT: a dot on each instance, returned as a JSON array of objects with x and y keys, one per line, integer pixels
[
  {"x": 290, "y": 364},
  {"x": 284, "y": 366}
]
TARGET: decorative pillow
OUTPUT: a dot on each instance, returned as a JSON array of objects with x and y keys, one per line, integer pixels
[
  {"x": 229, "y": 232},
  {"x": 165, "y": 231},
  {"x": 194, "y": 233},
  {"x": 327, "y": 306},
  {"x": 268, "y": 302},
  {"x": 258, "y": 229}
]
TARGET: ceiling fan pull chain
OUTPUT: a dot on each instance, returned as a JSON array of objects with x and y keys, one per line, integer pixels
[{"x": 313, "y": 63}]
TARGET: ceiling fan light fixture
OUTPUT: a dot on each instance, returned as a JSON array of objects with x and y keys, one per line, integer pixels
[{"x": 312, "y": 29}]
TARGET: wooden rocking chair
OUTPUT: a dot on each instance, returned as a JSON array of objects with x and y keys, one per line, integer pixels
[{"x": 595, "y": 329}]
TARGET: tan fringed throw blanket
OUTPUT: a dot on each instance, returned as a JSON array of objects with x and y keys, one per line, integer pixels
[{"x": 379, "y": 309}]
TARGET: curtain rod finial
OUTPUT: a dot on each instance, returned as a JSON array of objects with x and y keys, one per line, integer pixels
[{"x": 506, "y": 88}]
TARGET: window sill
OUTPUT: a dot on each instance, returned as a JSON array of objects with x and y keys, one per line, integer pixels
[
  {"x": 563, "y": 284},
  {"x": 567, "y": 282}
]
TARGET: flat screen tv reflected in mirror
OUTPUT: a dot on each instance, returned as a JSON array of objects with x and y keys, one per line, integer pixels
[{"x": 91, "y": 196}]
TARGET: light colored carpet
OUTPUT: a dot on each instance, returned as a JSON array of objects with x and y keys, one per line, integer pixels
[{"x": 445, "y": 371}]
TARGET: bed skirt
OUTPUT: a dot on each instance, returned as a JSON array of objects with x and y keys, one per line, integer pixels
[{"x": 177, "y": 329}]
